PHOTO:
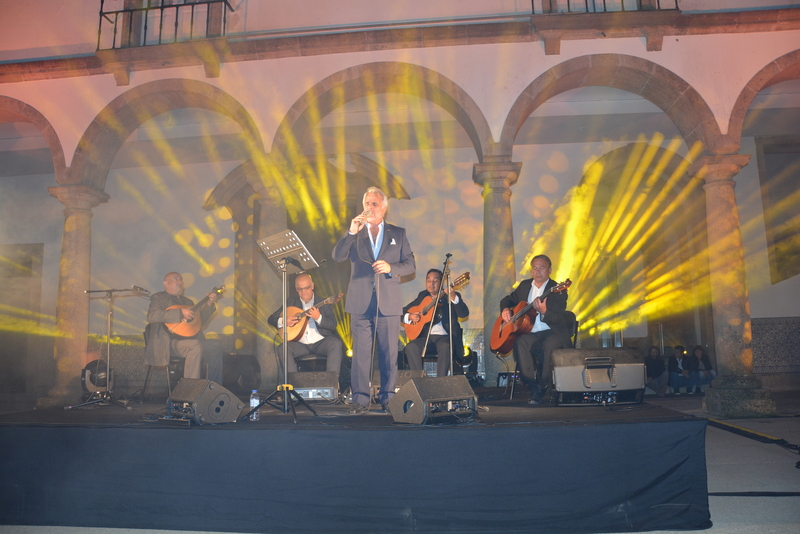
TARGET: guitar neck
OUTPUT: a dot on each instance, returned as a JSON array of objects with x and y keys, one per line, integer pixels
[{"x": 527, "y": 308}]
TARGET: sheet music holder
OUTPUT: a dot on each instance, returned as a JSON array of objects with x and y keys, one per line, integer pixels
[
  {"x": 286, "y": 249},
  {"x": 287, "y": 255}
]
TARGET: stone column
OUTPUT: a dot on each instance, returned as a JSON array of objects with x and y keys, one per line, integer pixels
[
  {"x": 499, "y": 272},
  {"x": 72, "y": 304},
  {"x": 736, "y": 392}
]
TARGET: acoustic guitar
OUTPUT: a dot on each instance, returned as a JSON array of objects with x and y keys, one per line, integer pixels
[
  {"x": 427, "y": 307},
  {"x": 504, "y": 334},
  {"x": 190, "y": 327},
  {"x": 296, "y": 332}
]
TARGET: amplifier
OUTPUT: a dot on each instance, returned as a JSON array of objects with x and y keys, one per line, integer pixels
[
  {"x": 322, "y": 385},
  {"x": 598, "y": 376}
]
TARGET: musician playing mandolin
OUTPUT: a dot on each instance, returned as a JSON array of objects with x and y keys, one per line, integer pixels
[
  {"x": 549, "y": 330},
  {"x": 318, "y": 337},
  {"x": 440, "y": 317},
  {"x": 169, "y": 308}
]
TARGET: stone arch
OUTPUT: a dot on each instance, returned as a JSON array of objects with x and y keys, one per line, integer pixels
[
  {"x": 112, "y": 126},
  {"x": 784, "y": 68},
  {"x": 16, "y": 110},
  {"x": 682, "y": 103},
  {"x": 383, "y": 77}
]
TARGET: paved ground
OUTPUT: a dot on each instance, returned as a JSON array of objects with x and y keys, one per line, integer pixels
[{"x": 753, "y": 484}]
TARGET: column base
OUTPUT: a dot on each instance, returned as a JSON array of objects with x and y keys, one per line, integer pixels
[{"x": 738, "y": 403}]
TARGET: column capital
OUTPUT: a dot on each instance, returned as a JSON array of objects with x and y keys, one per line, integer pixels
[
  {"x": 78, "y": 196},
  {"x": 718, "y": 168},
  {"x": 506, "y": 172}
]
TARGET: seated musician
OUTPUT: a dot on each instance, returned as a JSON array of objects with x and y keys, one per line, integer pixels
[
  {"x": 440, "y": 337},
  {"x": 169, "y": 309},
  {"x": 549, "y": 330},
  {"x": 319, "y": 337}
]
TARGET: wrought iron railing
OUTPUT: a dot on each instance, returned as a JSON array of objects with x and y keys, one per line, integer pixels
[
  {"x": 130, "y": 23},
  {"x": 602, "y": 6}
]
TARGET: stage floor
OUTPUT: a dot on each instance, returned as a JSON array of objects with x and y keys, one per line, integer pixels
[
  {"x": 494, "y": 408},
  {"x": 514, "y": 468}
]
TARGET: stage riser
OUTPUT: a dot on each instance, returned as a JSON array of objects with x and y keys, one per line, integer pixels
[{"x": 571, "y": 478}]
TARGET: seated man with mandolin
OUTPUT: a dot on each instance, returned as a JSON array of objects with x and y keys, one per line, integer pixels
[
  {"x": 420, "y": 314},
  {"x": 542, "y": 329},
  {"x": 309, "y": 330},
  {"x": 177, "y": 327}
]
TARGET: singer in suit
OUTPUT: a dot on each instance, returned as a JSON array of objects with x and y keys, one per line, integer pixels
[{"x": 379, "y": 255}]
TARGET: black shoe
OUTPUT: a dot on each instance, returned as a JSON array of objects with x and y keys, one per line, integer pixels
[
  {"x": 535, "y": 396},
  {"x": 358, "y": 409},
  {"x": 385, "y": 408}
]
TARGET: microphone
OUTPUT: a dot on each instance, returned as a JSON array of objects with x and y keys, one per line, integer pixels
[{"x": 139, "y": 289}]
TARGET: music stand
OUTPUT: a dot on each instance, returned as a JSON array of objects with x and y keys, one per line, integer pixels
[
  {"x": 287, "y": 255},
  {"x": 102, "y": 395}
]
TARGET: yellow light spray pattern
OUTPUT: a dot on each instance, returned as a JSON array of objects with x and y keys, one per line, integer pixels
[
  {"x": 15, "y": 319},
  {"x": 601, "y": 240}
]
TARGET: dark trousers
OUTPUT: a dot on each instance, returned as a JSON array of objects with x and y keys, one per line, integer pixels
[
  {"x": 330, "y": 347},
  {"x": 528, "y": 348},
  {"x": 387, "y": 331},
  {"x": 442, "y": 346}
]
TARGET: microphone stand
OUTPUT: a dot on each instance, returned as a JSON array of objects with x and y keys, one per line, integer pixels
[
  {"x": 445, "y": 276},
  {"x": 103, "y": 395}
]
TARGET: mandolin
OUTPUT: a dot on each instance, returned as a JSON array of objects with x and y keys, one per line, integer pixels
[
  {"x": 426, "y": 309},
  {"x": 186, "y": 327},
  {"x": 504, "y": 334},
  {"x": 296, "y": 332}
]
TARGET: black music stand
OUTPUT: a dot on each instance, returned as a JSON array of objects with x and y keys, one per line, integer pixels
[
  {"x": 102, "y": 394},
  {"x": 287, "y": 255}
]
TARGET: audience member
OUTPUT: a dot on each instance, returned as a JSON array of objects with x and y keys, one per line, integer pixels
[{"x": 656, "y": 370}]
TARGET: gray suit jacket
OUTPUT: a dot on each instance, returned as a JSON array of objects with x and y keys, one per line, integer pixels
[
  {"x": 395, "y": 250},
  {"x": 159, "y": 341}
]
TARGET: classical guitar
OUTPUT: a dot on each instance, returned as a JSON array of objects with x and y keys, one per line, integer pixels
[
  {"x": 426, "y": 308},
  {"x": 505, "y": 333},
  {"x": 189, "y": 328},
  {"x": 296, "y": 332}
]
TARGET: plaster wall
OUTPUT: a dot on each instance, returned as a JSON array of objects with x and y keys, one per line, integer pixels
[{"x": 492, "y": 75}]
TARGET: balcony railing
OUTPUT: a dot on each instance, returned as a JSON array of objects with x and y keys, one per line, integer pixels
[
  {"x": 601, "y": 6},
  {"x": 130, "y": 23}
]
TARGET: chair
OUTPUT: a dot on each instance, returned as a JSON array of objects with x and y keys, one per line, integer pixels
[{"x": 572, "y": 327}]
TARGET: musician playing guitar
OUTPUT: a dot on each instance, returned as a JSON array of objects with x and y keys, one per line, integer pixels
[
  {"x": 440, "y": 338},
  {"x": 170, "y": 308},
  {"x": 319, "y": 335},
  {"x": 549, "y": 330}
]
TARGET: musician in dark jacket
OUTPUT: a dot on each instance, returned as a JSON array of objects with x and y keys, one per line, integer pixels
[
  {"x": 549, "y": 330},
  {"x": 440, "y": 335},
  {"x": 196, "y": 350},
  {"x": 319, "y": 336}
]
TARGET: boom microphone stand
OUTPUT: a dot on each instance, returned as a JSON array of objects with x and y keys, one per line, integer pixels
[
  {"x": 286, "y": 254},
  {"x": 102, "y": 394}
]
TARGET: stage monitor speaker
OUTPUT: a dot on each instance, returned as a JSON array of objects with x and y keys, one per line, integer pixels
[
  {"x": 445, "y": 399},
  {"x": 403, "y": 376},
  {"x": 598, "y": 376},
  {"x": 322, "y": 385},
  {"x": 203, "y": 401}
]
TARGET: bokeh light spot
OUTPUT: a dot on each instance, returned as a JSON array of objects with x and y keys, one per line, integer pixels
[
  {"x": 184, "y": 237},
  {"x": 225, "y": 262},
  {"x": 227, "y": 311},
  {"x": 224, "y": 242},
  {"x": 548, "y": 183},
  {"x": 558, "y": 162}
]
